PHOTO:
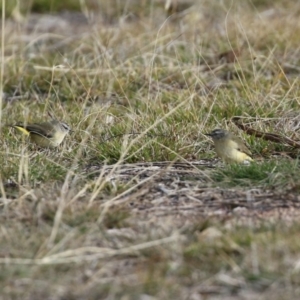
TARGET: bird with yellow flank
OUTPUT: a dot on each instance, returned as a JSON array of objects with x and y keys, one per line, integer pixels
[
  {"x": 230, "y": 148},
  {"x": 46, "y": 134}
]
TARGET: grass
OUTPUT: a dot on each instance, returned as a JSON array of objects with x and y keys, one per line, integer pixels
[
  {"x": 270, "y": 173},
  {"x": 134, "y": 204}
]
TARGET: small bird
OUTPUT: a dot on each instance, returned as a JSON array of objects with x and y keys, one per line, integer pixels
[
  {"x": 45, "y": 135},
  {"x": 230, "y": 148}
]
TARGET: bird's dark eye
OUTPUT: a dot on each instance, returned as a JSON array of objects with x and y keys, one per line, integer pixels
[{"x": 65, "y": 126}]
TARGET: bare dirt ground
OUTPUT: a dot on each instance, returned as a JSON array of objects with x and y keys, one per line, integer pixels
[{"x": 166, "y": 188}]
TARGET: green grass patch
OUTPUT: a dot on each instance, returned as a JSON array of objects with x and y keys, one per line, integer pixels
[{"x": 269, "y": 173}]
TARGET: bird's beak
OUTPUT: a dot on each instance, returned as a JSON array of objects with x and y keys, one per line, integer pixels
[{"x": 208, "y": 134}]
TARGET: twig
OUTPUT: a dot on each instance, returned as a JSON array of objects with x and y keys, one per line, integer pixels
[{"x": 266, "y": 136}]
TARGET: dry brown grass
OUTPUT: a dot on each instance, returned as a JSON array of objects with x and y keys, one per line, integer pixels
[{"x": 133, "y": 205}]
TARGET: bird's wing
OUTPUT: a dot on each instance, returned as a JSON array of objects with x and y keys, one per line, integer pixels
[
  {"x": 38, "y": 129},
  {"x": 242, "y": 147}
]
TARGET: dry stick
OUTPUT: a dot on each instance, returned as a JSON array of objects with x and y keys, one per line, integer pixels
[
  {"x": 84, "y": 254},
  {"x": 266, "y": 136}
]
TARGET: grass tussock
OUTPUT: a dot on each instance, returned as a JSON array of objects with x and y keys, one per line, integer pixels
[{"x": 133, "y": 204}]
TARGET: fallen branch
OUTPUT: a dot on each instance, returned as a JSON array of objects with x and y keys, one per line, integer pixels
[{"x": 276, "y": 138}]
